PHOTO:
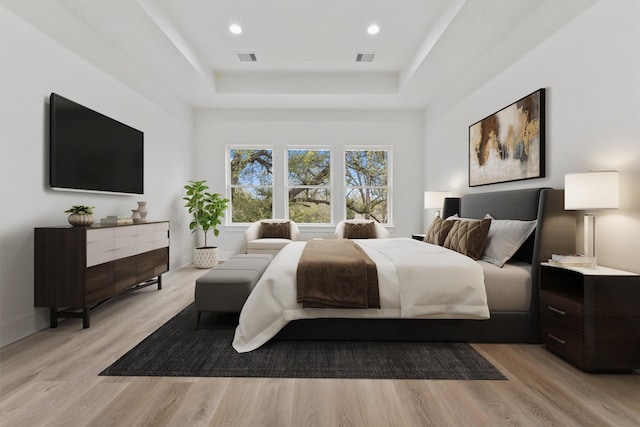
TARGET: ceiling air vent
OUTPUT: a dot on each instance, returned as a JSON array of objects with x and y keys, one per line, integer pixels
[
  {"x": 247, "y": 57},
  {"x": 365, "y": 57}
]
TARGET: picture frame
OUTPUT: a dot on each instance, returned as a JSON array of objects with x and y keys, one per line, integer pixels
[{"x": 509, "y": 145}]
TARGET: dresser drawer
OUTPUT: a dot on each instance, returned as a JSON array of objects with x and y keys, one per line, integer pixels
[
  {"x": 125, "y": 273},
  {"x": 555, "y": 308},
  {"x": 99, "y": 282},
  {"x": 100, "y": 246},
  {"x": 161, "y": 226},
  {"x": 94, "y": 235},
  {"x": 125, "y": 231},
  {"x": 160, "y": 261},
  {"x": 563, "y": 341},
  {"x": 151, "y": 237},
  {"x": 145, "y": 266},
  {"x": 124, "y": 247}
]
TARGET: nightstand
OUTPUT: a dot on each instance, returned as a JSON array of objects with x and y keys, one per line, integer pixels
[{"x": 591, "y": 317}]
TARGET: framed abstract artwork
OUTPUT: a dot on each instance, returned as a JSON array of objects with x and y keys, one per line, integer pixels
[{"x": 509, "y": 144}]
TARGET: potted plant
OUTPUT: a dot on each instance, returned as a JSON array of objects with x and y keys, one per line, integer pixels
[
  {"x": 80, "y": 215},
  {"x": 207, "y": 210}
]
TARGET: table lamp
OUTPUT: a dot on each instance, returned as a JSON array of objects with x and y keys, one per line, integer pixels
[
  {"x": 590, "y": 192},
  {"x": 435, "y": 200}
]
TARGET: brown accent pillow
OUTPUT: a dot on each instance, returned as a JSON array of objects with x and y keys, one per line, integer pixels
[
  {"x": 468, "y": 237},
  {"x": 438, "y": 231},
  {"x": 275, "y": 230},
  {"x": 359, "y": 230}
]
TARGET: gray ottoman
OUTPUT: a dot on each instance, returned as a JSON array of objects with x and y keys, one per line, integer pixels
[{"x": 226, "y": 287}]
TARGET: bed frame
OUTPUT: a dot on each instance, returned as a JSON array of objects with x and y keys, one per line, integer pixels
[{"x": 555, "y": 233}]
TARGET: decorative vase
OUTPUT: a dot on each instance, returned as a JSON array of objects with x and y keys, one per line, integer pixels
[
  {"x": 142, "y": 209},
  {"x": 80, "y": 220},
  {"x": 205, "y": 257},
  {"x": 135, "y": 215}
]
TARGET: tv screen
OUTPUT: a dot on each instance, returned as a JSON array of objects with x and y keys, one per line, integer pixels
[{"x": 92, "y": 152}]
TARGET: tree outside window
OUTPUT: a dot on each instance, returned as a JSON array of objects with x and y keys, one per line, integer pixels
[
  {"x": 367, "y": 184},
  {"x": 251, "y": 184},
  {"x": 309, "y": 185}
]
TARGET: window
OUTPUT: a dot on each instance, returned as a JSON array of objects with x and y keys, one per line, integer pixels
[
  {"x": 309, "y": 185},
  {"x": 367, "y": 184},
  {"x": 251, "y": 178}
]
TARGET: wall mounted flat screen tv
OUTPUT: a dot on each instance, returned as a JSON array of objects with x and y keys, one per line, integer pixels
[{"x": 89, "y": 151}]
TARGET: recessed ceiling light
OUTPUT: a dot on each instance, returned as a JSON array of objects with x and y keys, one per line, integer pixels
[
  {"x": 373, "y": 29},
  {"x": 235, "y": 29}
]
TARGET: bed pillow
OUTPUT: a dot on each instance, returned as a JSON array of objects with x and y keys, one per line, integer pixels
[
  {"x": 457, "y": 217},
  {"x": 505, "y": 238},
  {"x": 275, "y": 230},
  {"x": 359, "y": 230},
  {"x": 468, "y": 237},
  {"x": 438, "y": 230}
]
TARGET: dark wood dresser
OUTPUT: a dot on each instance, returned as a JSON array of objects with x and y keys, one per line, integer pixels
[
  {"x": 591, "y": 317},
  {"x": 77, "y": 268}
]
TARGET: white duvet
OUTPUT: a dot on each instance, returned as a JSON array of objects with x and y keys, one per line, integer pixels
[{"x": 416, "y": 279}]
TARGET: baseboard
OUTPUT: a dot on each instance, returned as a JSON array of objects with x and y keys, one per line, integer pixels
[{"x": 23, "y": 326}]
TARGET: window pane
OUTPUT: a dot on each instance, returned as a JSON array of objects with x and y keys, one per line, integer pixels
[
  {"x": 251, "y": 167},
  {"x": 309, "y": 167},
  {"x": 367, "y": 203},
  {"x": 366, "y": 168},
  {"x": 366, "y": 177},
  {"x": 309, "y": 180},
  {"x": 310, "y": 205},
  {"x": 251, "y": 204}
]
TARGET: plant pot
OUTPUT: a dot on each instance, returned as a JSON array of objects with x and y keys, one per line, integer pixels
[
  {"x": 205, "y": 257},
  {"x": 78, "y": 220}
]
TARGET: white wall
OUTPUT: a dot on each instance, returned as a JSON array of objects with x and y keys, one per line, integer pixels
[
  {"x": 33, "y": 66},
  {"x": 402, "y": 130},
  {"x": 591, "y": 71}
]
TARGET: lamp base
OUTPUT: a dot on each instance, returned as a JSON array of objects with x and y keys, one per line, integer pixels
[{"x": 590, "y": 238}]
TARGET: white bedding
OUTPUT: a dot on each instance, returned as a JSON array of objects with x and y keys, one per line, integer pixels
[
  {"x": 416, "y": 279},
  {"x": 508, "y": 288}
]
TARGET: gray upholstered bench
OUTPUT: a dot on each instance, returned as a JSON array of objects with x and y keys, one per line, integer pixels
[{"x": 226, "y": 287}]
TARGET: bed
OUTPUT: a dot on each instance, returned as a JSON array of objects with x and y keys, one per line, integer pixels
[{"x": 507, "y": 314}]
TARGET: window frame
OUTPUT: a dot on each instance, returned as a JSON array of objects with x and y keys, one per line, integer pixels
[
  {"x": 230, "y": 186},
  {"x": 388, "y": 187},
  {"x": 330, "y": 186}
]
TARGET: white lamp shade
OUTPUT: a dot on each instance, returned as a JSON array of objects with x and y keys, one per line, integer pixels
[
  {"x": 435, "y": 199},
  {"x": 591, "y": 191}
]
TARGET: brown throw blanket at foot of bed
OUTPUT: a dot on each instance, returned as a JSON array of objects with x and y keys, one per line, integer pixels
[{"x": 336, "y": 274}]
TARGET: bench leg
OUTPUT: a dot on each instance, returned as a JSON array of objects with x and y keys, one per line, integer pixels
[{"x": 198, "y": 313}]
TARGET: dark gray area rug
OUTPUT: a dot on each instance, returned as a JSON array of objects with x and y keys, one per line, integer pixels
[{"x": 177, "y": 350}]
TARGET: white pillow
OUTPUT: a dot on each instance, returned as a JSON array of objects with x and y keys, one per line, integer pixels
[
  {"x": 455, "y": 216},
  {"x": 505, "y": 238}
]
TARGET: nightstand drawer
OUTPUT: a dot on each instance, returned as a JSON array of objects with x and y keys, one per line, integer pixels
[
  {"x": 563, "y": 341},
  {"x": 555, "y": 308}
]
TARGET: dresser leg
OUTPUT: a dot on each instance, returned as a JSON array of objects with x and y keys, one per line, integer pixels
[{"x": 160, "y": 282}]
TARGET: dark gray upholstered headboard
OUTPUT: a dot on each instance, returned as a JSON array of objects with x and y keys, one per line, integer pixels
[
  {"x": 451, "y": 206},
  {"x": 555, "y": 230},
  {"x": 515, "y": 204}
]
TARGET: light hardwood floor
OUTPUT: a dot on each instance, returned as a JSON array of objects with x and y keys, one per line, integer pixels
[{"x": 51, "y": 379}]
